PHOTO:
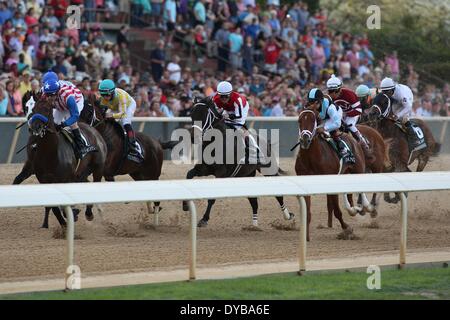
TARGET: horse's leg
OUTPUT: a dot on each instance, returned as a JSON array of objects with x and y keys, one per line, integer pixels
[
  {"x": 97, "y": 177},
  {"x": 308, "y": 215},
  {"x": 330, "y": 210},
  {"x": 423, "y": 160},
  {"x": 204, "y": 221},
  {"x": 190, "y": 175},
  {"x": 59, "y": 217},
  {"x": 254, "y": 204},
  {"x": 46, "y": 214},
  {"x": 338, "y": 212},
  {"x": 24, "y": 174},
  {"x": 348, "y": 203},
  {"x": 284, "y": 209}
]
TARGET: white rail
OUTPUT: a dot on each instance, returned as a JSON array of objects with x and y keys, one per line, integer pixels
[{"x": 69, "y": 194}]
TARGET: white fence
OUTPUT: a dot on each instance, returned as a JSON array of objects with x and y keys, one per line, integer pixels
[{"x": 69, "y": 194}]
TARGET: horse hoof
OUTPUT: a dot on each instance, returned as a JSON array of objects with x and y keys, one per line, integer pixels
[
  {"x": 202, "y": 223},
  {"x": 89, "y": 217},
  {"x": 374, "y": 214},
  {"x": 291, "y": 216},
  {"x": 44, "y": 226}
]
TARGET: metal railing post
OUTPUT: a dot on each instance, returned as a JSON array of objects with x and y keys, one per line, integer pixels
[
  {"x": 193, "y": 244},
  {"x": 70, "y": 245},
  {"x": 302, "y": 240},
  {"x": 404, "y": 229}
]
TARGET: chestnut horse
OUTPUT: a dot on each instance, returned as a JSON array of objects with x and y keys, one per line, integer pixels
[
  {"x": 51, "y": 156},
  {"x": 316, "y": 156},
  {"x": 381, "y": 117}
]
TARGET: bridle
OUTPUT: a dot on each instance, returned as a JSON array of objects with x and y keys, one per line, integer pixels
[
  {"x": 387, "y": 111},
  {"x": 211, "y": 117},
  {"x": 309, "y": 133}
]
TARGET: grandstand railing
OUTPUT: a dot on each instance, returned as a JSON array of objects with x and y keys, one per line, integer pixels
[
  {"x": 69, "y": 194},
  {"x": 168, "y": 124}
]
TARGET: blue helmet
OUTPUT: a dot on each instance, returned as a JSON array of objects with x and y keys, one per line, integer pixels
[
  {"x": 51, "y": 87},
  {"x": 50, "y": 75}
]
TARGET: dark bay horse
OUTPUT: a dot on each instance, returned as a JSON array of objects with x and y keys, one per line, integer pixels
[
  {"x": 116, "y": 161},
  {"x": 381, "y": 117},
  {"x": 205, "y": 113},
  {"x": 51, "y": 156},
  {"x": 316, "y": 156}
]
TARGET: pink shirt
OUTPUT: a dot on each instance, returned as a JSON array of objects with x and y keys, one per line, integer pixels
[{"x": 393, "y": 62}]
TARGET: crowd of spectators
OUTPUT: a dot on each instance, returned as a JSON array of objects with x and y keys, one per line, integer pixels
[{"x": 273, "y": 54}]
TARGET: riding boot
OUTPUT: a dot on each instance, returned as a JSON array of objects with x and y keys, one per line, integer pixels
[
  {"x": 254, "y": 153},
  {"x": 134, "y": 153},
  {"x": 343, "y": 152},
  {"x": 82, "y": 144},
  {"x": 413, "y": 140},
  {"x": 368, "y": 154}
]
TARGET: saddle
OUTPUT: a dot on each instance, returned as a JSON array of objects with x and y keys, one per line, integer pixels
[
  {"x": 126, "y": 145},
  {"x": 419, "y": 135},
  {"x": 68, "y": 135},
  {"x": 332, "y": 143}
]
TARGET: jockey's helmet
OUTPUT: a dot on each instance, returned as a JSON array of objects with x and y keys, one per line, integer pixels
[
  {"x": 51, "y": 87},
  {"x": 106, "y": 87},
  {"x": 387, "y": 84},
  {"x": 334, "y": 83},
  {"x": 362, "y": 91},
  {"x": 50, "y": 75},
  {"x": 224, "y": 88},
  {"x": 315, "y": 94}
]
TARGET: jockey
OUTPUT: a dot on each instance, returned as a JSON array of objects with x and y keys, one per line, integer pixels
[
  {"x": 121, "y": 106},
  {"x": 403, "y": 96},
  {"x": 365, "y": 95},
  {"x": 349, "y": 102},
  {"x": 331, "y": 116},
  {"x": 68, "y": 103},
  {"x": 234, "y": 107}
]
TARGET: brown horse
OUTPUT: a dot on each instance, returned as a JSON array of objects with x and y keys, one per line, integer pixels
[
  {"x": 379, "y": 164},
  {"x": 317, "y": 156},
  {"x": 381, "y": 117},
  {"x": 51, "y": 156},
  {"x": 117, "y": 162}
]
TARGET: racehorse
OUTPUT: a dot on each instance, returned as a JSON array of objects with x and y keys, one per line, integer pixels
[
  {"x": 117, "y": 162},
  {"x": 381, "y": 117},
  {"x": 205, "y": 113},
  {"x": 317, "y": 156},
  {"x": 378, "y": 164},
  {"x": 51, "y": 155}
]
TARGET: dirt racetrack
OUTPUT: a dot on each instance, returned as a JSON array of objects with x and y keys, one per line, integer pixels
[{"x": 122, "y": 245}]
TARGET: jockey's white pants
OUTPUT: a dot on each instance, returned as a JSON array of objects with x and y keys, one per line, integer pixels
[
  {"x": 60, "y": 116},
  {"x": 351, "y": 123},
  {"x": 126, "y": 119}
]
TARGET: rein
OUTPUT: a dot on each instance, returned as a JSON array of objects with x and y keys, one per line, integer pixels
[{"x": 210, "y": 118}]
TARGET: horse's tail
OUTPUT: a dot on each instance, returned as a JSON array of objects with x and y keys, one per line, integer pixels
[
  {"x": 436, "y": 149},
  {"x": 168, "y": 144},
  {"x": 387, "y": 160}
]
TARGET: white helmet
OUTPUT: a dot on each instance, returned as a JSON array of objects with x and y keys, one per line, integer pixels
[
  {"x": 387, "y": 84},
  {"x": 224, "y": 88},
  {"x": 362, "y": 91},
  {"x": 334, "y": 83}
]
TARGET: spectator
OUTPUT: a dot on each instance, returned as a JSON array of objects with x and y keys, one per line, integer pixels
[
  {"x": 15, "y": 99},
  {"x": 157, "y": 10},
  {"x": 170, "y": 18},
  {"x": 158, "y": 58},
  {"x": 200, "y": 12},
  {"x": 235, "y": 42},
  {"x": 392, "y": 61},
  {"x": 5, "y": 13},
  {"x": 174, "y": 70},
  {"x": 221, "y": 37},
  {"x": 122, "y": 36},
  {"x": 271, "y": 54},
  {"x": 4, "y": 101}
]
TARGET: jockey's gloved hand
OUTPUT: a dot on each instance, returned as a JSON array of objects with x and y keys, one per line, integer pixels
[
  {"x": 58, "y": 127},
  {"x": 232, "y": 116}
]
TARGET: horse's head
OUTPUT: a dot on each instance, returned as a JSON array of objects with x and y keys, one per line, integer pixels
[
  {"x": 92, "y": 112},
  {"x": 41, "y": 118},
  {"x": 204, "y": 114},
  {"x": 307, "y": 124},
  {"x": 381, "y": 107}
]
